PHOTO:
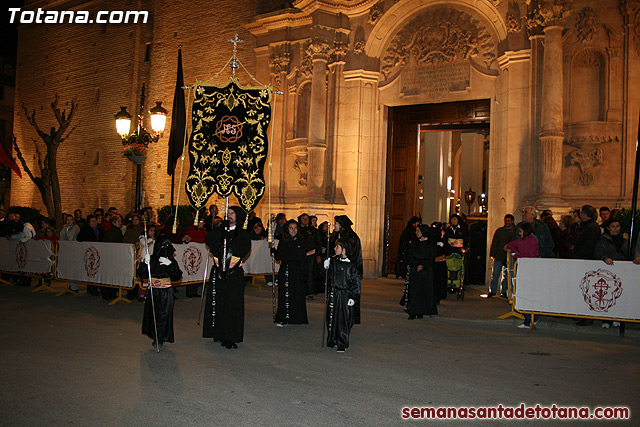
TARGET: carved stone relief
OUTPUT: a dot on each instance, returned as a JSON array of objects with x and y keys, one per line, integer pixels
[
  {"x": 339, "y": 52},
  {"x": 306, "y": 64},
  {"x": 544, "y": 13},
  {"x": 630, "y": 9},
  {"x": 376, "y": 12},
  {"x": 441, "y": 35},
  {"x": 586, "y": 161},
  {"x": 586, "y": 24},
  {"x": 300, "y": 164},
  {"x": 513, "y": 23},
  {"x": 358, "y": 46},
  {"x": 279, "y": 63}
]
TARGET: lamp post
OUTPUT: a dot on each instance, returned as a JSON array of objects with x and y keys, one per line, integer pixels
[{"x": 136, "y": 143}]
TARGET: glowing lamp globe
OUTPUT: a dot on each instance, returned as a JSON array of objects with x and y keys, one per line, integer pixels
[
  {"x": 158, "y": 117},
  {"x": 123, "y": 122}
]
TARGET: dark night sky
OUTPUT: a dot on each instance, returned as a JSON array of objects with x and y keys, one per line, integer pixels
[{"x": 8, "y": 32}]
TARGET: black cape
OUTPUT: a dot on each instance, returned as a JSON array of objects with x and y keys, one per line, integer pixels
[
  {"x": 420, "y": 297},
  {"x": 345, "y": 280},
  {"x": 224, "y": 307},
  {"x": 163, "y": 298},
  {"x": 292, "y": 280}
]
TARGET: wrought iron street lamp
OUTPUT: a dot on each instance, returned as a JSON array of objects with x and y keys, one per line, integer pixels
[
  {"x": 136, "y": 143},
  {"x": 469, "y": 198}
]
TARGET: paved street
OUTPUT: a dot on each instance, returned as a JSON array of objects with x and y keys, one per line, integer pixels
[{"x": 74, "y": 360}]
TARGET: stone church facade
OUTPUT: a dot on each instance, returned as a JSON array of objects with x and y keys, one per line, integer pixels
[{"x": 548, "y": 84}]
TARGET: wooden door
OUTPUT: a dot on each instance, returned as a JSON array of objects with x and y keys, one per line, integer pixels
[{"x": 401, "y": 182}]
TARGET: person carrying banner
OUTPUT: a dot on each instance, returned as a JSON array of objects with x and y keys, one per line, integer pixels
[{"x": 224, "y": 307}]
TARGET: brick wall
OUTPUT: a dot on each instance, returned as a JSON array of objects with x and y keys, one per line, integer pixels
[{"x": 103, "y": 67}]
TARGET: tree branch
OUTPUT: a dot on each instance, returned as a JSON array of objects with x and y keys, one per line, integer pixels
[
  {"x": 36, "y": 180},
  {"x": 31, "y": 118}
]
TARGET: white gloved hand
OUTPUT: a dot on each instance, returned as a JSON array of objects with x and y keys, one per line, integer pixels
[
  {"x": 164, "y": 261},
  {"x": 327, "y": 262},
  {"x": 440, "y": 244},
  {"x": 351, "y": 302},
  {"x": 147, "y": 258}
]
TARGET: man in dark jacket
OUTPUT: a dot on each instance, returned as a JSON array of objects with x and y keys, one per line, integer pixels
[
  {"x": 501, "y": 237},
  {"x": 112, "y": 235},
  {"x": 585, "y": 246},
  {"x": 588, "y": 235}
]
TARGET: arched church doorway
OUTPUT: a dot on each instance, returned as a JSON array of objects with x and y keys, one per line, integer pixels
[{"x": 435, "y": 154}]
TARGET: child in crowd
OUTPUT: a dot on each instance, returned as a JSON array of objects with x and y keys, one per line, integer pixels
[
  {"x": 344, "y": 293},
  {"x": 525, "y": 247}
]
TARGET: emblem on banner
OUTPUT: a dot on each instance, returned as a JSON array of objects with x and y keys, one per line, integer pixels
[
  {"x": 191, "y": 259},
  {"x": 601, "y": 289},
  {"x": 91, "y": 261},
  {"x": 21, "y": 255}
]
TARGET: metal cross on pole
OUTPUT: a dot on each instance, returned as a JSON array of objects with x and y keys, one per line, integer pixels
[{"x": 234, "y": 61}]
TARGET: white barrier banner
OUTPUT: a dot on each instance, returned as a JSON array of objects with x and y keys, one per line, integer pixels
[
  {"x": 192, "y": 259},
  {"x": 259, "y": 260},
  {"x": 579, "y": 287},
  {"x": 96, "y": 262},
  {"x": 34, "y": 256}
]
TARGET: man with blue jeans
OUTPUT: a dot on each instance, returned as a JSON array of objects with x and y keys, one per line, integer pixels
[{"x": 501, "y": 237}]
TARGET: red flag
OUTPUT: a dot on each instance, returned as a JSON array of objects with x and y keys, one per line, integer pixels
[{"x": 7, "y": 160}]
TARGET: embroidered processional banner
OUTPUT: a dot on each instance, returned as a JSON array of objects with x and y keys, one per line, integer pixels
[{"x": 228, "y": 145}]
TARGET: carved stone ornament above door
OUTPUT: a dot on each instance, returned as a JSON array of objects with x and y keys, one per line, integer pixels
[{"x": 440, "y": 35}]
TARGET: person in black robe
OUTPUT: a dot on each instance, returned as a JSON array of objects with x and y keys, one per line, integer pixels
[
  {"x": 440, "y": 264},
  {"x": 342, "y": 230},
  {"x": 322, "y": 252},
  {"x": 224, "y": 309},
  {"x": 164, "y": 270},
  {"x": 292, "y": 252},
  {"x": 408, "y": 234},
  {"x": 420, "y": 257},
  {"x": 342, "y": 298}
]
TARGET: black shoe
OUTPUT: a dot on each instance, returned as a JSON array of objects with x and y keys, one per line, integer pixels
[
  {"x": 419, "y": 316},
  {"x": 340, "y": 349},
  {"x": 584, "y": 322},
  {"x": 491, "y": 295},
  {"x": 412, "y": 317},
  {"x": 503, "y": 295}
]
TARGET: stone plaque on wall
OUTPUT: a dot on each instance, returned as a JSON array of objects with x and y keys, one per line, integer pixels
[{"x": 435, "y": 80}]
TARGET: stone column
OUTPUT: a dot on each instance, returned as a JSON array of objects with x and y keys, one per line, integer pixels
[
  {"x": 548, "y": 15},
  {"x": 279, "y": 64},
  {"x": 317, "y": 145},
  {"x": 552, "y": 133},
  {"x": 336, "y": 79}
]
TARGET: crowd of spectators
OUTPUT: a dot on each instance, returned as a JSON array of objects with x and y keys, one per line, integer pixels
[
  {"x": 110, "y": 226},
  {"x": 586, "y": 233}
]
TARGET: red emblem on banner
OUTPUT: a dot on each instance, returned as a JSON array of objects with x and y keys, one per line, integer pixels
[
  {"x": 191, "y": 260},
  {"x": 21, "y": 255},
  {"x": 601, "y": 289},
  {"x": 91, "y": 261}
]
